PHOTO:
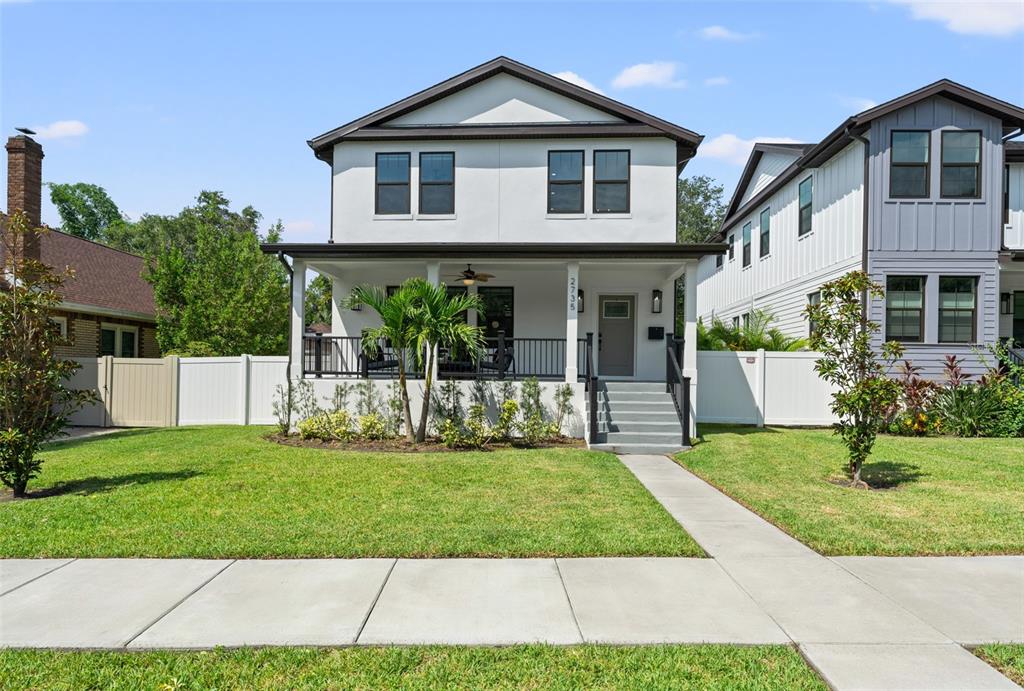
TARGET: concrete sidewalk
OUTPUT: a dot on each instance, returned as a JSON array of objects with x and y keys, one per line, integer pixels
[{"x": 862, "y": 622}]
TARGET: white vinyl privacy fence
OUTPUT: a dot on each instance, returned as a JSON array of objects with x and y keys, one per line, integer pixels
[{"x": 761, "y": 388}]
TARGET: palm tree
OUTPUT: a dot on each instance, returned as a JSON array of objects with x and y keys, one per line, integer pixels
[{"x": 756, "y": 334}]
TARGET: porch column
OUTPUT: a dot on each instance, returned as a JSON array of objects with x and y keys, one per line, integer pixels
[
  {"x": 434, "y": 279},
  {"x": 572, "y": 286},
  {"x": 298, "y": 323},
  {"x": 690, "y": 335}
]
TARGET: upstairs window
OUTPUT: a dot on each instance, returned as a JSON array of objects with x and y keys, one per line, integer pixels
[
  {"x": 765, "y": 231},
  {"x": 718, "y": 261},
  {"x": 565, "y": 182},
  {"x": 957, "y": 309},
  {"x": 437, "y": 183},
  {"x": 908, "y": 164},
  {"x": 732, "y": 247},
  {"x": 961, "y": 165},
  {"x": 611, "y": 182},
  {"x": 746, "y": 245},
  {"x": 904, "y": 309},
  {"x": 392, "y": 184},
  {"x": 806, "y": 205}
]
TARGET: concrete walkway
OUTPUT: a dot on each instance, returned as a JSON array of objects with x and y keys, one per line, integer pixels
[{"x": 862, "y": 622}]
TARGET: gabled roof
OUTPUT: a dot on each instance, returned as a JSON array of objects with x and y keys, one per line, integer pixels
[
  {"x": 636, "y": 123},
  {"x": 839, "y": 138},
  {"x": 761, "y": 148}
]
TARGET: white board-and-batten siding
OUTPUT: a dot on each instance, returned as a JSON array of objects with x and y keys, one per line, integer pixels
[{"x": 1013, "y": 234}]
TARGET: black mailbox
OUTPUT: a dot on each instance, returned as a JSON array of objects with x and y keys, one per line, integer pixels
[{"x": 655, "y": 333}]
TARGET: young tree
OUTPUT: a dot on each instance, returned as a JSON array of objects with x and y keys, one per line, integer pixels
[
  {"x": 700, "y": 207},
  {"x": 85, "y": 210},
  {"x": 864, "y": 392},
  {"x": 34, "y": 401}
]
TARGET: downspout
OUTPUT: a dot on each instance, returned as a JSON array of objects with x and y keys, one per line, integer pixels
[
  {"x": 291, "y": 310},
  {"x": 864, "y": 220}
]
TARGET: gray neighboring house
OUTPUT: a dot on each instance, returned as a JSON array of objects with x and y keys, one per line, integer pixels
[{"x": 925, "y": 192}]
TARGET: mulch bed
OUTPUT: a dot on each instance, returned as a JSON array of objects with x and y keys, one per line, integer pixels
[{"x": 400, "y": 445}]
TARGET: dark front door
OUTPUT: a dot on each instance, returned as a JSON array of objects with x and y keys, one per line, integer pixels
[
  {"x": 616, "y": 335},
  {"x": 1018, "y": 318}
]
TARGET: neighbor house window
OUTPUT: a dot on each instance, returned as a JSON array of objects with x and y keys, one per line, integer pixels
[
  {"x": 765, "y": 231},
  {"x": 806, "y": 205},
  {"x": 119, "y": 341},
  {"x": 746, "y": 245},
  {"x": 813, "y": 300},
  {"x": 437, "y": 183},
  {"x": 961, "y": 165},
  {"x": 908, "y": 164},
  {"x": 62, "y": 322},
  {"x": 611, "y": 182},
  {"x": 732, "y": 247},
  {"x": 392, "y": 184},
  {"x": 718, "y": 261},
  {"x": 565, "y": 182},
  {"x": 904, "y": 309},
  {"x": 957, "y": 309}
]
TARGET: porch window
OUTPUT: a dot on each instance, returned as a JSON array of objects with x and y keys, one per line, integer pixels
[
  {"x": 437, "y": 183},
  {"x": 806, "y": 205},
  {"x": 765, "y": 231},
  {"x": 498, "y": 311},
  {"x": 961, "y": 165},
  {"x": 611, "y": 182},
  {"x": 565, "y": 182},
  {"x": 909, "y": 163},
  {"x": 392, "y": 193},
  {"x": 746, "y": 245},
  {"x": 119, "y": 341},
  {"x": 904, "y": 309},
  {"x": 957, "y": 309}
]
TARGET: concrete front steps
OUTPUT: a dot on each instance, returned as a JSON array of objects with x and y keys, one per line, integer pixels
[{"x": 636, "y": 418}]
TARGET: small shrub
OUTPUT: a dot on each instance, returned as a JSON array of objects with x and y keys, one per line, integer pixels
[
  {"x": 368, "y": 400},
  {"x": 477, "y": 432},
  {"x": 967, "y": 409},
  {"x": 912, "y": 415},
  {"x": 373, "y": 427},
  {"x": 327, "y": 426},
  {"x": 506, "y": 424},
  {"x": 394, "y": 406},
  {"x": 450, "y": 434},
  {"x": 282, "y": 409},
  {"x": 533, "y": 430},
  {"x": 563, "y": 407},
  {"x": 304, "y": 400},
  {"x": 341, "y": 393}
]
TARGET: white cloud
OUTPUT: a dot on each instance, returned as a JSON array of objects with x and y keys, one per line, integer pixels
[
  {"x": 61, "y": 129},
  {"x": 659, "y": 74},
  {"x": 717, "y": 32},
  {"x": 733, "y": 149},
  {"x": 981, "y": 17},
  {"x": 717, "y": 81},
  {"x": 857, "y": 103},
  {"x": 574, "y": 78}
]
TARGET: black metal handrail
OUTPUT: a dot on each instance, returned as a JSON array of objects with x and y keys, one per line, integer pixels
[
  {"x": 590, "y": 378},
  {"x": 678, "y": 385}
]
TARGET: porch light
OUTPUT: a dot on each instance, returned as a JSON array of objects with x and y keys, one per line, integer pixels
[
  {"x": 656, "y": 301},
  {"x": 468, "y": 281},
  {"x": 1006, "y": 303},
  {"x": 579, "y": 301}
]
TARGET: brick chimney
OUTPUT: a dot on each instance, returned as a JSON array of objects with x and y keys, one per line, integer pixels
[{"x": 25, "y": 184}]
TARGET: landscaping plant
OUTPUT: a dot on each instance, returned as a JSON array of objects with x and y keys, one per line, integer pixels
[
  {"x": 35, "y": 402},
  {"x": 756, "y": 334},
  {"x": 912, "y": 414},
  {"x": 563, "y": 406},
  {"x": 965, "y": 408},
  {"x": 865, "y": 394}
]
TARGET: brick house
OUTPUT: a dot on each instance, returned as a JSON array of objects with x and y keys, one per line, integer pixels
[{"x": 107, "y": 307}]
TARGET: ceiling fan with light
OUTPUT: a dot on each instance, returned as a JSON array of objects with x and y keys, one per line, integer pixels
[{"x": 468, "y": 277}]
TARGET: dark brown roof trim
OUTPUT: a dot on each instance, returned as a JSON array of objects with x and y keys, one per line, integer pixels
[
  {"x": 323, "y": 144},
  {"x": 1014, "y": 152},
  {"x": 760, "y": 148},
  {"x": 839, "y": 138},
  {"x": 496, "y": 250}
]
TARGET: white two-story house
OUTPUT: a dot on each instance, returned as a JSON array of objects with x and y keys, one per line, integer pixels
[
  {"x": 556, "y": 205},
  {"x": 923, "y": 192}
]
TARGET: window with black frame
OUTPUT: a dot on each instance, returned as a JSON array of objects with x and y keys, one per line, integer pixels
[
  {"x": 746, "y": 244},
  {"x": 764, "y": 231},
  {"x": 497, "y": 310},
  {"x": 904, "y": 309},
  {"x": 813, "y": 300},
  {"x": 806, "y": 192},
  {"x": 909, "y": 160},
  {"x": 437, "y": 183},
  {"x": 961, "y": 165},
  {"x": 957, "y": 309},
  {"x": 392, "y": 184},
  {"x": 611, "y": 182},
  {"x": 565, "y": 182}
]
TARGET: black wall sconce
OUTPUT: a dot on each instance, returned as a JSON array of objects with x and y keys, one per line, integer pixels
[
  {"x": 579, "y": 301},
  {"x": 656, "y": 301},
  {"x": 1006, "y": 303}
]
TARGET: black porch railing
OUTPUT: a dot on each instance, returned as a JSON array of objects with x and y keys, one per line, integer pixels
[
  {"x": 677, "y": 384},
  {"x": 501, "y": 358}
]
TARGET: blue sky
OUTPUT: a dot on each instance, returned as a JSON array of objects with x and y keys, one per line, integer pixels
[{"x": 157, "y": 101}]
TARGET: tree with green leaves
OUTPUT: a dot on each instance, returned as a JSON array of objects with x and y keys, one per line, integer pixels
[
  {"x": 85, "y": 210},
  {"x": 35, "y": 402},
  {"x": 864, "y": 392},
  {"x": 700, "y": 205},
  {"x": 757, "y": 334},
  {"x": 216, "y": 292},
  {"x": 318, "y": 300}
]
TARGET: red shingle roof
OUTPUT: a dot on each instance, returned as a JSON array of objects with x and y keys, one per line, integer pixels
[{"x": 104, "y": 277}]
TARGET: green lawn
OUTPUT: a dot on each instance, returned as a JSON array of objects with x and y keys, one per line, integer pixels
[
  {"x": 518, "y": 667},
  {"x": 228, "y": 492},
  {"x": 1008, "y": 659},
  {"x": 943, "y": 496}
]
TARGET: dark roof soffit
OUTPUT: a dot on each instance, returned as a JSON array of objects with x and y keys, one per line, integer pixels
[
  {"x": 539, "y": 250},
  {"x": 1014, "y": 152},
  {"x": 489, "y": 69}
]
